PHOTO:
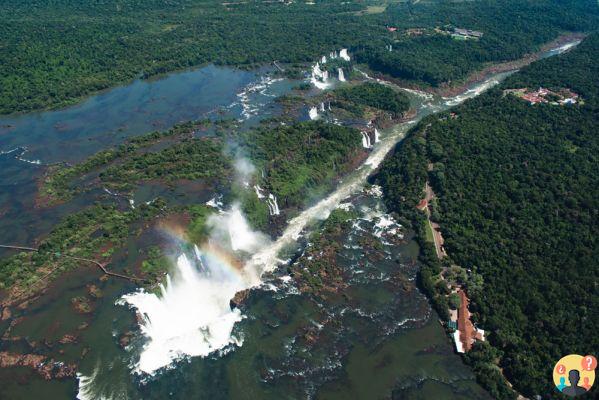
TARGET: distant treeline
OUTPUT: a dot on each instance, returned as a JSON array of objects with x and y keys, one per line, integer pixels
[
  {"x": 510, "y": 30},
  {"x": 54, "y": 52},
  {"x": 518, "y": 203}
]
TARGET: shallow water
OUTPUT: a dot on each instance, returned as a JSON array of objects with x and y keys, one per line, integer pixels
[{"x": 101, "y": 121}]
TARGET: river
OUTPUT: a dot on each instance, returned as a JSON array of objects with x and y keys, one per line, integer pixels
[{"x": 266, "y": 357}]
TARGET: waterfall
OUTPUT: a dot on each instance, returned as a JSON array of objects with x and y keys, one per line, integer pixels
[
  {"x": 319, "y": 77},
  {"x": 192, "y": 316},
  {"x": 329, "y": 106},
  {"x": 365, "y": 140},
  {"x": 322, "y": 106},
  {"x": 273, "y": 207},
  {"x": 341, "y": 75},
  {"x": 258, "y": 190},
  {"x": 323, "y": 59},
  {"x": 376, "y": 136},
  {"x": 390, "y": 48},
  {"x": 343, "y": 54},
  {"x": 313, "y": 113}
]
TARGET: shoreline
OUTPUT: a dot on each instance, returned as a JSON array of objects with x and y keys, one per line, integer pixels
[{"x": 449, "y": 90}]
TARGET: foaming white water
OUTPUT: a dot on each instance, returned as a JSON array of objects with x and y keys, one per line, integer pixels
[
  {"x": 232, "y": 231},
  {"x": 343, "y": 54},
  {"x": 341, "y": 75},
  {"x": 313, "y": 113},
  {"x": 567, "y": 46},
  {"x": 319, "y": 77},
  {"x": 266, "y": 259},
  {"x": 377, "y": 136},
  {"x": 365, "y": 140},
  {"x": 89, "y": 389},
  {"x": 191, "y": 316},
  {"x": 273, "y": 206}
]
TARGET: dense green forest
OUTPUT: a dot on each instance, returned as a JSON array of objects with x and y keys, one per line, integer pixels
[
  {"x": 376, "y": 96},
  {"x": 510, "y": 30},
  {"x": 302, "y": 157},
  {"x": 517, "y": 189},
  {"x": 295, "y": 158},
  {"x": 54, "y": 52}
]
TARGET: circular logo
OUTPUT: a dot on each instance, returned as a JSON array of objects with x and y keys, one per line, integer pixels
[{"x": 574, "y": 375}]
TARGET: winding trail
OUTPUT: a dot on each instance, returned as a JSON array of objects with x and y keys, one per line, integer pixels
[{"x": 97, "y": 263}]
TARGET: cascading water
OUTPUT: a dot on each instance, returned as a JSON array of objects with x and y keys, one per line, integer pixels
[
  {"x": 258, "y": 190},
  {"x": 174, "y": 329},
  {"x": 322, "y": 107},
  {"x": 341, "y": 76},
  {"x": 365, "y": 140},
  {"x": 192, "y": 315},
  {"x": 313, "y": 113},
  {"x": 319, "y": 77},
  {"x": 343, "y": 54},
  {"x": 273, "y": 207},
  {"x": 376, "y": 136}
]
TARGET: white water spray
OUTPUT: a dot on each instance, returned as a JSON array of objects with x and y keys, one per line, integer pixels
[
  {"x": 273, "y": 207},
  {"x": 343, "y": 54},
  {"x": 376, "y": 136},
  {"x": 313, "y": 113},
  {"x": 366, "y": 140},
  {"x": 341, "y": 76}
]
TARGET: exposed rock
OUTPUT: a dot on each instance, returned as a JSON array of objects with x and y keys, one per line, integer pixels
[
  {"x": 125, "y": 339},
  {"x": 81, "y": 305},
  {"x": 68, "y": 338},
  {"x": 94, "y": 291},
  {"x": 6, "y": 314},
  {"x": 239, "y": 298},
  {"x": 47, "y": 369}
]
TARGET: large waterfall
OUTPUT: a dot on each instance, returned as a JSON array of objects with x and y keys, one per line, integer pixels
[
  {"x": 191, "y": 316},
  {"x": 341, "y": 76},
  {"x": 313, "y": 113}
]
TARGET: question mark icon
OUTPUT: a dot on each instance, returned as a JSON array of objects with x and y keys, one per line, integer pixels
[
  {"x": 589, "y": 363},
  {"x": 561, "y": 369}
]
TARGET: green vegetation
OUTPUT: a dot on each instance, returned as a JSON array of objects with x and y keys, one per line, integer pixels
[
  {"x": 197, "y": 231},
  {"x": 90, "y": 233},
  {"x": 510, "y": 30},
  {"x": 317, "y": 268},
  {"x": 155, "y": 264},
  {"x": 376, "y": 96},
  {"x": 302, "y": 157},
  {"x": 55, "y": 52},
  {"x": 518, "y": 208},
  {"x": 191, "y": 159},
  {"x": 62, "y": 182}
]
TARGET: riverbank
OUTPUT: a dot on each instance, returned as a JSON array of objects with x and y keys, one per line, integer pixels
[{"x": 454, "y": 89}]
